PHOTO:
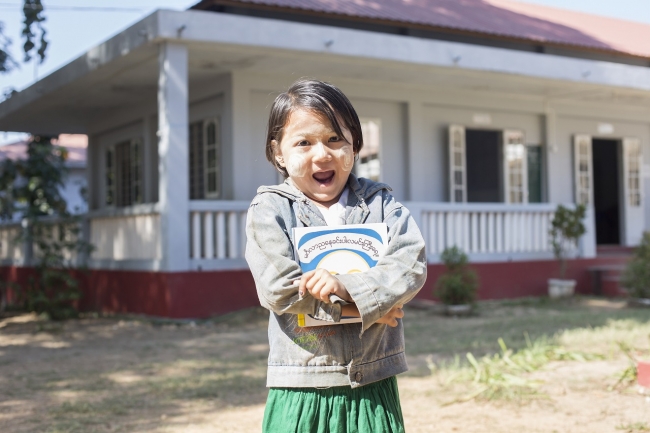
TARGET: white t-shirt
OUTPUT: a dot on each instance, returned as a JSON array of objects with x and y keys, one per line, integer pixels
[{"x": 335, "y": 214}]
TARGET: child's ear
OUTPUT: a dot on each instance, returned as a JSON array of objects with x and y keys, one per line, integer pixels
[{"x": 278, "y": 156}]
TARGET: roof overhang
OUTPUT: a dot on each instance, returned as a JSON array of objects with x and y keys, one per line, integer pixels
[{"x": 123, "y": 71}]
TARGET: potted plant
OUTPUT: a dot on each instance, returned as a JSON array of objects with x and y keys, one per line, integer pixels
[
  {"x": 566, "y": 229},
  {"x": 456, "y": 288},
  {"x": 636, "y": 277}
]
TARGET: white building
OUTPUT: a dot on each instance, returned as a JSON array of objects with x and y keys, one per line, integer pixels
[{"x": 482, "y": 116}]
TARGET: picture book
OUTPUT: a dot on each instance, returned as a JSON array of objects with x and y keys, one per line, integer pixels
[{"x": 345, "y": 249}]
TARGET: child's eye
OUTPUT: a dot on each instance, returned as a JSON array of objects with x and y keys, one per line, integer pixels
[
  {"x": 335, "y": 138},
  {"x": 303, "y": 143}
]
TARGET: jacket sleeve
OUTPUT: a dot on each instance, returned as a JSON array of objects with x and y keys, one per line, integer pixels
[
  {"x": 269, "y": 253},
  {"x": 400, "y": 273}
]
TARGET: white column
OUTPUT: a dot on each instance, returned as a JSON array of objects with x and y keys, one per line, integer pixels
[
  {"x": 244, "y": 183},
  {"x": 173, "y": 164},
  {"x": 419, "y": 178}
]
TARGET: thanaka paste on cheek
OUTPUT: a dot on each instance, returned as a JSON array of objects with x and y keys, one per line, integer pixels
[
  {"x": 347, "y": 157},
  {"x": 296, "y": 166}
]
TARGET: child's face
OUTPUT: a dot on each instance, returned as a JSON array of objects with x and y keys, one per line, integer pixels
[{"x": 317, "y": 159}]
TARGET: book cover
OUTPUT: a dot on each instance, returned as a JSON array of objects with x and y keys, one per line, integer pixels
[{"x": 345, "y": 249}]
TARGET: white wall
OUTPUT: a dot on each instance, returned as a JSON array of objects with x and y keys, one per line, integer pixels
[
  {"x": 394, "y": 145},
  {"x": 414, "y": 129},
  {"x": 71, "y": 191}
]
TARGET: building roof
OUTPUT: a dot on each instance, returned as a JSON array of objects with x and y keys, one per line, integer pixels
[
  {"x": 76, "y": 144},
  {"x": 491, "y": 18}
]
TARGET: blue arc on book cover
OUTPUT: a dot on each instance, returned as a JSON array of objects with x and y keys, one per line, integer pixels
[{"x": 341, "y": 250}]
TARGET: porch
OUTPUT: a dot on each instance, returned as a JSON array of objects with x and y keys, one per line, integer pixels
[
  {"x": 507, "y": 245},
  {"x": 130, "y": 239}
]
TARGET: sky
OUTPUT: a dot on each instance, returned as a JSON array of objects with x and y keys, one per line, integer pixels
[{"x": 74, "y": 26}]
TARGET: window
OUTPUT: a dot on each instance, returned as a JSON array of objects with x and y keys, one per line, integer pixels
[
  {"x": 205, "y": 160},
  {"x": 535, "y": 170},
  {"x": 487, "y": 166},
  {"x": 110, "y": 177},
  {"x": 369, "y": 165},
  {"x": 516, "y": 170},
  {"x": 124, "y": 180},
  {"x": 457, "y": 164},
  {"x": 583, "y": 169},
  {"x": 633, "y": 161}
]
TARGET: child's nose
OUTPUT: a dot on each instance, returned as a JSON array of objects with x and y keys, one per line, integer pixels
[{"x": 321, "y": 152}]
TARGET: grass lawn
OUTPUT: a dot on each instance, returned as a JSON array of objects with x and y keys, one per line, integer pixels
[{"x": 129, "y": 374}]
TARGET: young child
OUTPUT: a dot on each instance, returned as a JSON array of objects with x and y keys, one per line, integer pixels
[{"x": 329, "y": 378}]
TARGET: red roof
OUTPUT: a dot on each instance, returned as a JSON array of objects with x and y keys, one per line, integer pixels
[{"x": 504, "y": 18}]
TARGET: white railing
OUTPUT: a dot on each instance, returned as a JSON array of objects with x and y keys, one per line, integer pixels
[
  {"x": 486, "y": 231},
  {"x": 16, "y": 250},
  {"x": 217, "y": 234}
]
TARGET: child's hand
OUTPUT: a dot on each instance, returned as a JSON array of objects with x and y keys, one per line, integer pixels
[
  {"x": 391, "y": 317},
  {"x": 321, "y": 284}
]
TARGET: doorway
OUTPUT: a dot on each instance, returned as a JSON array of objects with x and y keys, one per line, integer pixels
[
  {"x": 606, "y": 175},
  {"x": 484, "y": 161}
]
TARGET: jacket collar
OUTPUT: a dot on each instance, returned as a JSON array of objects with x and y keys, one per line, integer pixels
[{"x": 356, "y": 210}]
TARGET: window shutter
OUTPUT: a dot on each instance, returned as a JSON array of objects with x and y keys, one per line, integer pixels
[
  {"x": 136, "y": 171},
  {"x": 196, "y": 160},
  {"x": 633, "y": 191},
  {"x": 457, "y": 165},
  {"x": 515, "y": 167},
  {"x": 109, "y": 172},
  {"x": 583, "y": 170},
  {"x": 212, "y": 165}
]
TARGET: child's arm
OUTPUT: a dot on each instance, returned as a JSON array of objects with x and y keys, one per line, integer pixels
[
  {"x": 269, "y": 254},
  {"x": 389, "y": 319},
  {"x": 398, "y": 276},
  {"x": 321, "y": 284}
]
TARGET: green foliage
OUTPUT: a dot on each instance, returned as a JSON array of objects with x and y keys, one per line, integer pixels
[
  {"x": 7, "y": 63},
  {"x": 31, "y": 187},
  {"x": 33, "y": 27},
  {"x": 459, "y": 283},
  {"x": 33, "y": 19},
  {"x": 636, "y": 277},
  {"x": 628, "y": 376},
  {"x": 503, "y": 376},
  {"x": 566, "y": 229},
  {"x": 30, "y": 191}
]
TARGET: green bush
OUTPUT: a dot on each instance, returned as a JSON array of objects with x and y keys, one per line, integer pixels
[
  {"x": 566, "y": 229},
  {"x": 31, "y": 189},
  {"x": 459, "y": 283},
  {"x": 636, "y": 277}
]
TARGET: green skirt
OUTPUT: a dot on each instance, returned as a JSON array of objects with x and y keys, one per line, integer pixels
[{"x": 372, "y": 408}]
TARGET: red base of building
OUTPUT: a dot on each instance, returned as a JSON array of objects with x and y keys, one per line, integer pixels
[{"x": 204, "y": 294}]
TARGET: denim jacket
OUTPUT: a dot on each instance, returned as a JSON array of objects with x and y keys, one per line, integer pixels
[{"x": 352, "y": 354}]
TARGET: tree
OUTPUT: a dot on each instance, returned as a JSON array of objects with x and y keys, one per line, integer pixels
[
  {"x": 30, "y": 190},
  {"x": 33, "y": 33}
]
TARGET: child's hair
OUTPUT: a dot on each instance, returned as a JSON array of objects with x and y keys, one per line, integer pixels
[{"x": 319, "y": 97}]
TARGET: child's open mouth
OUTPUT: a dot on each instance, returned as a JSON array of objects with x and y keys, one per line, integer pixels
[{"x": 324, "y": 178}]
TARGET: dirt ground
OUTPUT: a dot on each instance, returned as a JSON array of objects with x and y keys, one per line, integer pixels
[{"x": 130, "y": 374}]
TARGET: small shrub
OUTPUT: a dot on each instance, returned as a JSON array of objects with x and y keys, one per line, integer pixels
[
  {"x": 566, "y": 229},
  {"x": 636, "y": 277},
  {"x": 459, "y": 283}
]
